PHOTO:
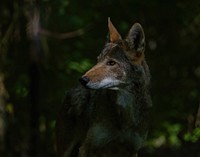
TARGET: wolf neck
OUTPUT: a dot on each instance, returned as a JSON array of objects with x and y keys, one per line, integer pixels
[
  {"x": 125, "y": 98},
  {"x": 126, "y": 107}
]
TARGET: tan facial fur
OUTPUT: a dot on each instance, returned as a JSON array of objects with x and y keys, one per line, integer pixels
[{"x": 105, "y": 76}]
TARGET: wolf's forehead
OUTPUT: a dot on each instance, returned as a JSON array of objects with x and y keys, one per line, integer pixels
[{"x": 110, "y": 47}]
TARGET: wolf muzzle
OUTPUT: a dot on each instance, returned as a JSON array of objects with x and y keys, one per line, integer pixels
[{"x": 84, "y": 80}]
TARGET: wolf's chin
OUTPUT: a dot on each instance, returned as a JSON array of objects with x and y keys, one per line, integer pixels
[
  {"x": 107, "y": 86},
  {"x": 107, "y": 83},
  {"x": 114, "y": 88}
]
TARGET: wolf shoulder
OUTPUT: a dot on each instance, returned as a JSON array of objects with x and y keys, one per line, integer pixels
[{"x": 76, "y": 100}]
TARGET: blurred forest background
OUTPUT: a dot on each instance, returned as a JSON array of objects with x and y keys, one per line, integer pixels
[{"x": 46, "y": 45}]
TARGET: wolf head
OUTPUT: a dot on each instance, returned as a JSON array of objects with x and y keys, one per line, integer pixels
[{"x": 120, "y": 61}]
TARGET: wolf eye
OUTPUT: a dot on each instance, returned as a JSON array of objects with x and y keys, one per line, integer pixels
[{"x": 111, "y": 63}]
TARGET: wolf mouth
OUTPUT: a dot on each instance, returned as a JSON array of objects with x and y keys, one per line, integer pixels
[{"x": 107, "y": 83}]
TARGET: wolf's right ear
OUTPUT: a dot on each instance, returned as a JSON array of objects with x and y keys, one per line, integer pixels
[
  {"x": 113, "y": 33},
  {"x": 136, "y": 38}
]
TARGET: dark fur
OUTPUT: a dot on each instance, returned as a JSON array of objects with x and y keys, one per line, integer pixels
[{"x": 103, "y": 123}]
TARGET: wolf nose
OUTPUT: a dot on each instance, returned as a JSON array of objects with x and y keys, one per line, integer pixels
[{"x": 84, "y": 80}]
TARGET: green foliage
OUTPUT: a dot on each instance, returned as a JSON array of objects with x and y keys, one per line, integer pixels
[
  {"x": 80, "y": 67},
  {"x": 173, "y": 130},
  {"x": 193, "y": 136},
  {"x": 21, "y": 86},
  {"x": 167, "y": 136}
]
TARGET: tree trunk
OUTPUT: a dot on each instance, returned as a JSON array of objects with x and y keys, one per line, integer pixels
[{"x": 3, "y": 96}]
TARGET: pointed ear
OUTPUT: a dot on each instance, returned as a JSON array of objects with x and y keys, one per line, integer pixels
[
  {"x": 136, "y": 38},
  {"x": 113, "y": 33}
]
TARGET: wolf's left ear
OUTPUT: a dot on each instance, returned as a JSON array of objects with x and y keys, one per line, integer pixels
[{"x": 136, "y": 38}]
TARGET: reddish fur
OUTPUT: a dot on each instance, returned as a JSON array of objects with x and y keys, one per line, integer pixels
[
  {"x": 105, "y": 122},
  {"x": 97, "y": 73}
]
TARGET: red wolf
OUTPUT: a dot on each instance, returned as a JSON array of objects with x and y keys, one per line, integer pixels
[{"x": 108, "y": 115}]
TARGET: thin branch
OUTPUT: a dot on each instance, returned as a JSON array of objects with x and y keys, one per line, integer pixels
[
  {"x": 197, "y": 123},
  {"x": 6, "y": 38},
  {"x": 62, "y": 35},
  {"x": 34, "y": 28}
]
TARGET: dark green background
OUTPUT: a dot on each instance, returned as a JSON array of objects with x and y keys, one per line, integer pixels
[{"x": 37, "y": 70}]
